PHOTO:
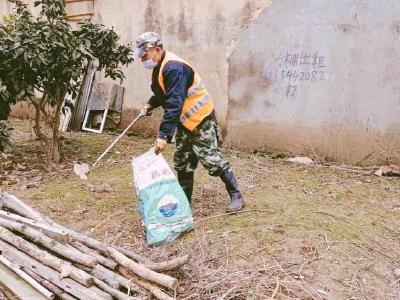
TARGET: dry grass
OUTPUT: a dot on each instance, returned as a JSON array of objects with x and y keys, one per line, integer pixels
[{"x": 307, "y": 232}]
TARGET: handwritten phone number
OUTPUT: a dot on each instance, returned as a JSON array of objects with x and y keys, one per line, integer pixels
[{"x": 313, "y": 76}]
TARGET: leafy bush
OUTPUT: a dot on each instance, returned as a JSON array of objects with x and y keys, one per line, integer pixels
[
  {"x": 43, "y": 53},
  {"x": 5, "y": 130}
]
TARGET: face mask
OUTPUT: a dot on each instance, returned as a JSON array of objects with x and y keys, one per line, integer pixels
[{"x": 150, "y": 64}]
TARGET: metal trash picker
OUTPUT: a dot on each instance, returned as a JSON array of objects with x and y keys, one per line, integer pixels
[{"x": 82, "y": 170}]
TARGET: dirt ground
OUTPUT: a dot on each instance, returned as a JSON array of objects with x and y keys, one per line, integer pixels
[{"x": 307, "y": 232}]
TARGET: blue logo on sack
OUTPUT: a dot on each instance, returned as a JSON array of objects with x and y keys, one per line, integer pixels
[{"x": 168, "y": 206}]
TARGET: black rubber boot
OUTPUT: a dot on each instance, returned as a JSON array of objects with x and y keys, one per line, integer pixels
[
  {"x": 232, "y": 187},
  {"x": 186, "y": 181}
]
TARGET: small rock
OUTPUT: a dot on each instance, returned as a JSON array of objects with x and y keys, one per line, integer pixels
[
  {"x": 397, "y": 272},
  {"x": 38, "y": 178},
  {"x": 321, "y": 291},
  {"x": 396, "y": 203},
  {"x": 32, "y": 185},
  {"x": 104, "y": 188},
  {"x": 307, "y": 192},
  {"x": 80, "y": 211},
  {"x": 280, "y": 155},
  {"x": 301, "y": 160},
  {"x": 81, "y": 170},
  {"x": 20, "y": 167},
  {"x": 391, "y": 170}
]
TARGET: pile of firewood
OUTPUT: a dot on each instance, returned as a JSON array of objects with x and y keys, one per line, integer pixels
[{"x": 61, "y": 263}]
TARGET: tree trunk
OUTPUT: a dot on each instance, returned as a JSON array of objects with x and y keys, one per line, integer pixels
[
  {"x": 53, "y": 142},
  {"x": 37, "y": 128},
  {"x": 56, "y": 146}
]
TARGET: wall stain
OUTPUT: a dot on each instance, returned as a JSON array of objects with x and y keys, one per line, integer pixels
[
  {"x": 247, "y": 13},
  {"x": 395, "y": 27},
  {"x": 219, "y": 27},
  {"x": 341, "y": 143},
  {"x": 184, "y": 31},
  {"x": 171, "y": 25},
  {"x": 151, "y": 18},
  {"x": 256, "y": 81},
  {"x": 348, "y": 27}
]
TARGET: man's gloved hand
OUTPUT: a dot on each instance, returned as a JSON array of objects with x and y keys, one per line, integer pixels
[
  {"x": 160, "y": 145},
  {"x": 148, "y": 110}
]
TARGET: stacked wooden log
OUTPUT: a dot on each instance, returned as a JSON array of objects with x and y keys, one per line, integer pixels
[{"x": 64, "y": 264}]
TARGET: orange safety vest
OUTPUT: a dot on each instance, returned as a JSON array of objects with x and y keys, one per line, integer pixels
[{"x": 198, "y": 103}]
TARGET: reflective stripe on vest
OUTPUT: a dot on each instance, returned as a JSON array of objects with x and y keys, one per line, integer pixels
[
  {"x": 195, "y": 108},
  {"x": 193, "y": 90},
  {"x": 198, "y": 103}
]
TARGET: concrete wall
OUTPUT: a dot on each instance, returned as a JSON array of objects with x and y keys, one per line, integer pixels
[
  {"x": 6, "y": 7},
  {"x": 321, "y": 77},
  {"x": 3, "y": 8},
  {"x": 201, "y": 32},
  {"x": 314, "y": 77}
]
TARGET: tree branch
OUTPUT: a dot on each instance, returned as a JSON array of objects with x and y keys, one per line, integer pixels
[{"x": 37, "y": 128}]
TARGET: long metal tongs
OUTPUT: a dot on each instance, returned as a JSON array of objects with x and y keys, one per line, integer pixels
[{"x": 82, "y": 170}]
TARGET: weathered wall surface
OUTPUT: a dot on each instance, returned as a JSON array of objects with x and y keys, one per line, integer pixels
[
  {"x": 319, "y": 76},
  {"x": 6, "y": 7},
  {"x": 3, "y": 8},
  {"x": 294, "y": 75},
  {"x": 201, "y": 32}
]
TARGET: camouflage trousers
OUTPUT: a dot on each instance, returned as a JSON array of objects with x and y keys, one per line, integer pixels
[{"x": 199, "y": 145}]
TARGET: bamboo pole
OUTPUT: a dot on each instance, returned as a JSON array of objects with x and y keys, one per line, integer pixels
[
  {"x": 106, "y": 262},
  {"x": 122, "y": 256},
  {"x": 50, "y": 286},
  {"x": 13, "y": 203},
  {"x": 139, "y": 258},
  {"x": 129, "y": 285},
  {"x": 105, "y": 275},
  {"x": 17, "y": 269},
  {"x": 168, "y": 265},
  {"x": 154, "y": 290},
  {"x": 65, "y": 268},
  {"x": 55, "y": 233},
  {"x": 70, "y": 286},
  {"x": 39, "y": 238},
  {"x": 142, "y": 271},
  {"x": 113, "y": 292}
]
